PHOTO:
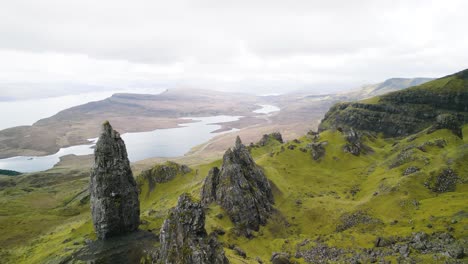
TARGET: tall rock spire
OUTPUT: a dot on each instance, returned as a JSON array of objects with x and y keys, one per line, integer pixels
[
  {"x": 241, "y": 188},
  {"x": 184, "y": 239},
  {"x": 114, "y": 195}
]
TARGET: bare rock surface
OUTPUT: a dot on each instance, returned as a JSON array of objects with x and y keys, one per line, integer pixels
[
  {"x": 114, "y": 200},
  {"x": 241, "y": 188},
  {"x": 184, "y": 239}
]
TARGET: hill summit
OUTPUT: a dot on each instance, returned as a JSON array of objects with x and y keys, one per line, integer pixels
[{"x": 442, "y": 103}]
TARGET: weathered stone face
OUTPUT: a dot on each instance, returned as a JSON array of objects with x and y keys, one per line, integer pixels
[
  {"x": 273, "y": 136},
  {"x": 184, "y": 239},
  {"x": 114, "y": 200},
  {"x": 163, "y": 173},
  {"x": 241, "y": 188},
  {"x": 317, "y": 150}
]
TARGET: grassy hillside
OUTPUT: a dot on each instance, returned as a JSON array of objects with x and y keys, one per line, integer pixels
[
  {"x": 404, "y": 112},
  {"x": 407, "y": 186},
  {"x": 316, "y": 201}
]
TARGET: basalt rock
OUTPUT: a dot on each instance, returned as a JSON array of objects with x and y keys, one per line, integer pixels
[
  {"x": 445, "y": 181},
  {"x": 273, "y": 136},
  {"x": 448, "y": 121},
  {"x": 317, "y": 149},
  {"x": 241, "y": 188},
  {"x": 438, "y": 104},
  {"x": 349, "y": 220},
  {"x": 114, "y": 201},
  {"x": 410, "y": 170},
  {"x": 355, "y": 145},
  {"x": 163, "y": 173},
  {"x": 184, "y": 239}
]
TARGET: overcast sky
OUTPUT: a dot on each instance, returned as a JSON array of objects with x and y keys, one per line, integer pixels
[{"x": 68, "y": 46}]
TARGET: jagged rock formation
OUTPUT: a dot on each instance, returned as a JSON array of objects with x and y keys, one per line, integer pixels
[
  {"x": 241, "y": 188},
  {"x": 163, "y": 173},
  {"x": 355, "y": 145},
  {"x": 114, "y": 200},
  {"x": 184, "y": 239},
  {"x": 273, "y": 136},
  {"x": 317, "y": 150},
  {"x": 408, "y": 111},
  {"x": 450, "y": 122}
]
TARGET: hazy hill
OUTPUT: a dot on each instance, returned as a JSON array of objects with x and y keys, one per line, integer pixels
[
  {"x": 138, "y": 112},
  {"x": 390, "y": 85}
]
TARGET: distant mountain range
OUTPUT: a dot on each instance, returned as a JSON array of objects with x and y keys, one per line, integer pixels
[
  {"x": 390, "y": 85},
  {"x": 75, "y": 125}
]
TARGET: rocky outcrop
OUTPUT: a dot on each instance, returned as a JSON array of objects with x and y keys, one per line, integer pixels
[
  {"x": 317, "y": 150},
  {"x": 440, "y": 245},
  {"x": 440, "y": 103},
  {"x": 445, "y": 181},
  {"x": 410, "y": 170},
  {"x": 450, "y": 122},
  {"x": 355, "y": 145},
  {"x": 349, "y": 220},
  {"x": 163, "y": 173},
  {"x": 184, "y": 239},
  {"x": 275, "y": 136},
  {"x": 115, "y": 207},
  {"x": 280, "y": 258},
  {"x": 241, "y": 188}
]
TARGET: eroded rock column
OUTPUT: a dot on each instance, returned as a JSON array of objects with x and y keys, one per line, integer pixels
[{"x": 114, "y": 200}]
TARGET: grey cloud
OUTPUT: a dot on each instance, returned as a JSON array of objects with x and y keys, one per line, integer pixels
[{"x": 294, "y": 44}]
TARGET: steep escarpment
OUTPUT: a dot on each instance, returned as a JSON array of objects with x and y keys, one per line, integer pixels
[
  {"x": 241, "y": 188},
  {"x": 114, "y": 200},
  {"x": 442, "y": 103},
  {"x": 184, "y": 239}
]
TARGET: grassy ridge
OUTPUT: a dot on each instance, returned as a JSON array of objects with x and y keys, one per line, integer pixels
[
  {"x": 311, "y": 197},
  {"x": 404, "y": 112}
]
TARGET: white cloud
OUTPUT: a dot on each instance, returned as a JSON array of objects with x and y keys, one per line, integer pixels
[{"x": 241, "y": 45}]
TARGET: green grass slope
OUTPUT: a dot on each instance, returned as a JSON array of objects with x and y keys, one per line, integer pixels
[{"x": 314, "y": 200}]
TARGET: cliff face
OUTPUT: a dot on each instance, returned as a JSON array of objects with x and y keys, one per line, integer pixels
[
  {"x": 184, "y": 238},
  {"x": 241, "y": 188},
  {"x": 408, "y": 111},
  {"x": 114, "y": 200}
]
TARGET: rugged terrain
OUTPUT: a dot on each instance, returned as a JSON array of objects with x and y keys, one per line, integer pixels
[{"x": 347, "y": 194}]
